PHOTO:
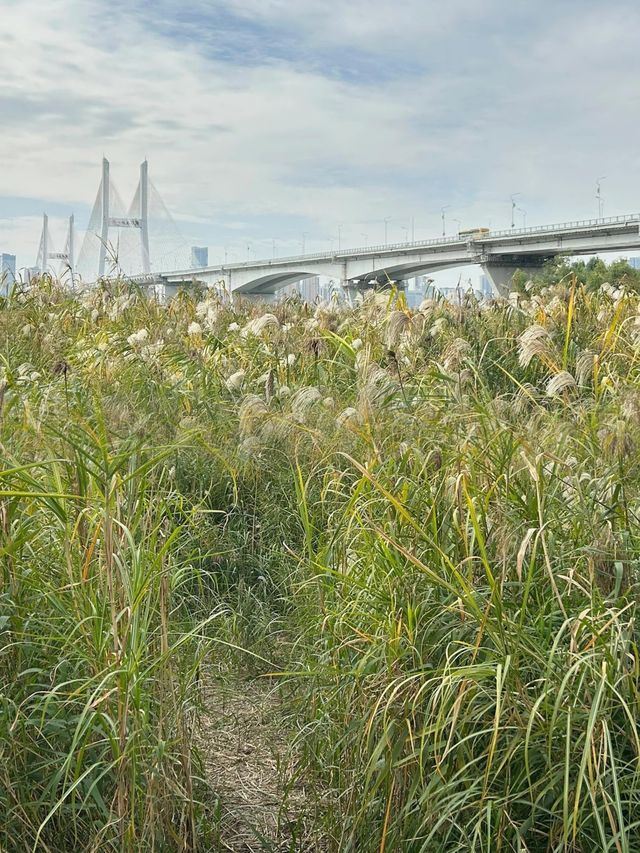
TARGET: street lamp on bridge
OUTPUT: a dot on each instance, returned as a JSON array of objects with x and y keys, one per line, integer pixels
[
  {"x": 387, "y": 220},
  {"x": 513, "y": 209},
  {"x": 444, "y": 221},
  {"x": 599, "y": 196}
]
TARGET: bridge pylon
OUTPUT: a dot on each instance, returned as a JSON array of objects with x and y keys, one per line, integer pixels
[
  {"x": 46, "y": 251},
  {"x": 117, "y": 237},
  {"x": 138, "y": 216}
]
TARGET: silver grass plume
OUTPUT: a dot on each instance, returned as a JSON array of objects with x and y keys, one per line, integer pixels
[
  {"x": 399, "y": 323},
  {"x": 584, "y": 366},
  {"x": 561, "y": 382},
  {"x": 269, "y": 386},
  {"x": 303, "y": 400},
  {"x": 253, "y": 410},
  {"x": 377, "y": 385},
  {"x": 534, "y": 341},
  {"x": 348, "y": 417},
  {"x": 456, "y": 353},
  {"x": 259, "y": 324},
  {"x": 617, "y": 439}
]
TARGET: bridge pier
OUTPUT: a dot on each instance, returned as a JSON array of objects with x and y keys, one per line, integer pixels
[
  {"x": 352, "y": 289},
  {"x": 170, "y": 290},
  {"x": 500, "y": 270}
]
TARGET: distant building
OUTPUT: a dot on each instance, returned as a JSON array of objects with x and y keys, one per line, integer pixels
[
  {"x": 199, "y": 256},
  {"x": 634, "y": 262},
  {"x": 414, "y": 297},
  {"x": 7, "y": 272},
  {"x": 485, "y": 285},
  {"x": 415, "y": 290},
  {"x": 308, "y": 289}
]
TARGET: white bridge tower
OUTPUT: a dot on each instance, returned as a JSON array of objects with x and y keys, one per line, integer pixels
[
  {"x": 137, "y": 219},
  {"x": 47, "y": 253}
]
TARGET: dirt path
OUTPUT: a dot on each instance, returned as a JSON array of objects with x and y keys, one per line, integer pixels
[{"x": 242, "y": 736}]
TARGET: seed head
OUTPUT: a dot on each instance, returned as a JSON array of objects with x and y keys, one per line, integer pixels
[
  {"x": 562, "y": 381},
  {"x": 234, "y": 382}
]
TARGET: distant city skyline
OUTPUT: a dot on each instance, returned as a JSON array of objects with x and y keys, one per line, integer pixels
[{"x": 7, "y": 271}]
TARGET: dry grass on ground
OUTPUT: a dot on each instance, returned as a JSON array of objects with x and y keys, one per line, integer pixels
[{"x": 248, "y": 764}]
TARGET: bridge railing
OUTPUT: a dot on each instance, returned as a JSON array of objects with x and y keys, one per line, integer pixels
[{"x": 574, "y": 225}]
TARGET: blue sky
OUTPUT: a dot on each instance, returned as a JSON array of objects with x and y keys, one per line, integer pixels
[{"x": 264, "y": 119}]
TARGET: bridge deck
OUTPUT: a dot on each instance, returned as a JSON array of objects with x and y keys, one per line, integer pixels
[{"x": 397, "y": 261}]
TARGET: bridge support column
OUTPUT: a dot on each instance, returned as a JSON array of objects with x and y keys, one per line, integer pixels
[
  {"x": 169, "y": 291},
  {"x": 500, "y": 271},
  {"x": 353, "y": 288}
]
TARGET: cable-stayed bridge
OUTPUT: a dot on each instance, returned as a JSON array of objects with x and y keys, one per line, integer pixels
[
  {"x": 120, "y": 240},
  {"x": 141, "y": 241}
]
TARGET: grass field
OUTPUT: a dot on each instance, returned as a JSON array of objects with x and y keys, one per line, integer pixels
[{"x": 416, "y": 533}]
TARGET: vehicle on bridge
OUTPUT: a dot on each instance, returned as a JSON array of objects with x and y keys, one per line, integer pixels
[{"x": 474, "y": 232}]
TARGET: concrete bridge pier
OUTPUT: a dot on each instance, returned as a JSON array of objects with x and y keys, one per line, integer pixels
[
  {"x": 170, "y": 290},
  {"x": 500, "y": 270},
  {"x": 353, "y": 288}
]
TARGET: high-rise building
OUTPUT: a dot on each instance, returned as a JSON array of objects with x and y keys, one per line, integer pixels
[
  {"x": 308, "y": 289},
  {"x": 485, "y": 285},
  {"x": 7, "y": 272},
  {"x": 199, "y": 256}
]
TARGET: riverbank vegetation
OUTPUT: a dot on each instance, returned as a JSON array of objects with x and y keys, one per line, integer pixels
[{"x": 419, "y": 529}]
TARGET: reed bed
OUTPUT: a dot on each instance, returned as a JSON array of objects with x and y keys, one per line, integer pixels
[{"x": 421, "y": 526}]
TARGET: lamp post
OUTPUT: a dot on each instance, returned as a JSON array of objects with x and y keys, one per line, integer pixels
[
  {"x": 599, "y": 196},
  {"x": 386, "y": 225},
  {"x": 366, "y": 239},
  {"x": 513, "y": 209},
  {"x": 444, "y": 221},
  {"x": 458, "y": 221},
  {"x": 524, "y": 216}
]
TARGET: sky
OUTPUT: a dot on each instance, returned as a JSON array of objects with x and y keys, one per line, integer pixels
[{"x": 267, "y": 120}]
